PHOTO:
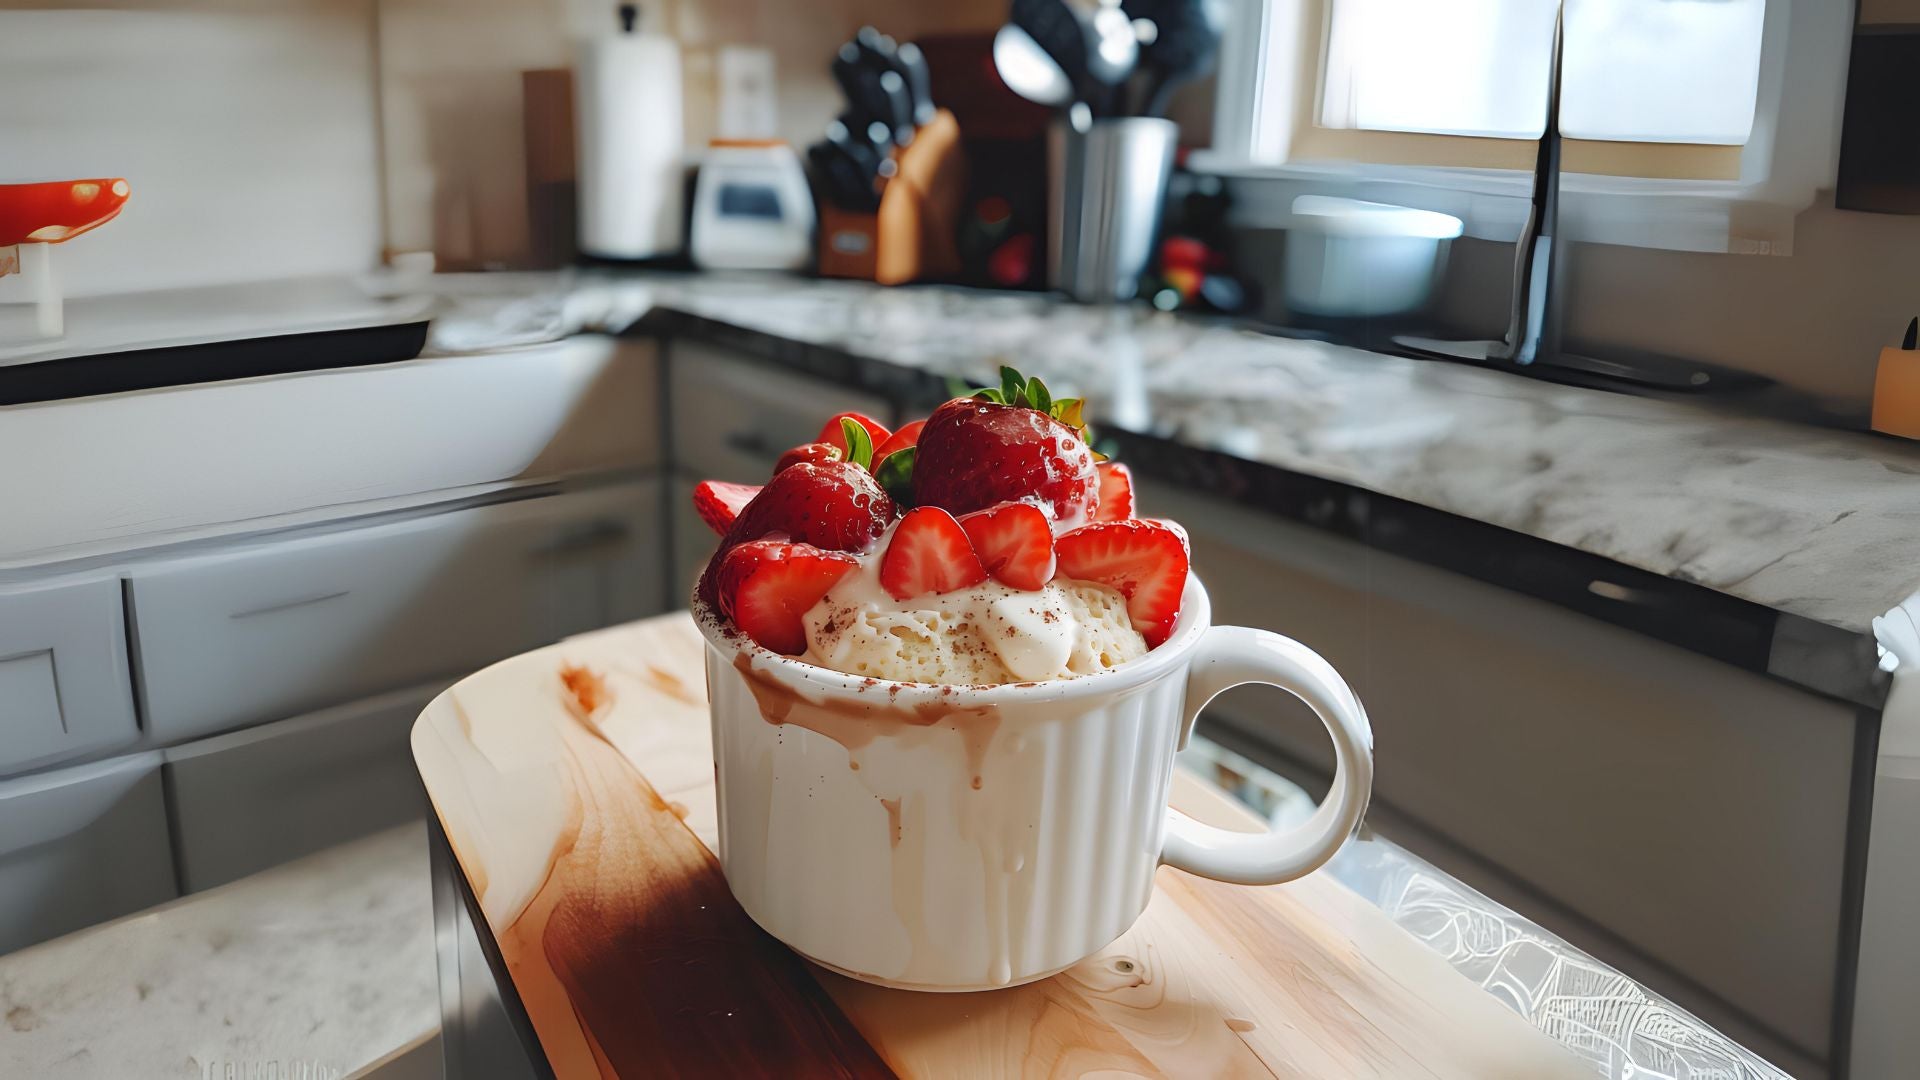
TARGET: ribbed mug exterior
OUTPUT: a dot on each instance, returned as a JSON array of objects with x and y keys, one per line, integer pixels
[{"x": 943, "y": 838}]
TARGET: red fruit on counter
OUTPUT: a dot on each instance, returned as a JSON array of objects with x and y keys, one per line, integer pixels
[
  {"x": 837, "y": 507},
  {"x": 52, "y": 212},
  {"x": 1015, "y": 444},
  {"x": 1014, "y": 541},
  {"x": 813, "y": 453},
  {"x": 1116, "y": 492},
  {"x": 907, "y": 436},
  {"x": 718, "y": 502},
  {"x": 929, "y": 553},
  {"x": 765, "y": 586},
  {"x": 1145, "y": 561},
  {"x": 831, "y": 434}
]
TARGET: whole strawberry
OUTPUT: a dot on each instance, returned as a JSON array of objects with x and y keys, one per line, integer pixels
[
  {"x": 1007, "y": 444},
  {"x": 836, "y": 506}
]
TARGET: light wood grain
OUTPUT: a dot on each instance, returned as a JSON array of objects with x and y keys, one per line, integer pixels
[{"x": 587, "y": 837}]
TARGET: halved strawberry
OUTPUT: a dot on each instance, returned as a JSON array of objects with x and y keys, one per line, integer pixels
[
  {"x": 813, "y": 453},
  {"x": 830, "y": 432},
  {"x": 929, "y": 553},
  {"x": 766, "y": 586},
  {"x": 1116, "y": 492},
  {"x": 718, "y": 502},
  {"x": 837, "y": 507},
  {"x": 1145, "y": 561},
  {"x": 1014, "y": 542},
  {"x": 908, "y": 435}
]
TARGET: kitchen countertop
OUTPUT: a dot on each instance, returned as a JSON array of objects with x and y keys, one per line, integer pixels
[
  {"x": 317, "y": 968},
  {"x": 1817, "y": 526},
  {"x": 1769, "y": 545}
]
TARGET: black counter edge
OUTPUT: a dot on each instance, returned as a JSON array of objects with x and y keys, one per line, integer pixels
[{"x": 1826, "y": 660}]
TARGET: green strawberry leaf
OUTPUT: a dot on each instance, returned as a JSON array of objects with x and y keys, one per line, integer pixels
[
  {"x": 1012, "y": 385},
  {"x": 895, "y": 474},
  {"x": 859, "y": 443},
  {"x": 1038, "y": 397}
]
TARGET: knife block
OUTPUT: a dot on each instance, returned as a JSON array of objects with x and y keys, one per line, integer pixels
[{"x": 914, "y": 234}]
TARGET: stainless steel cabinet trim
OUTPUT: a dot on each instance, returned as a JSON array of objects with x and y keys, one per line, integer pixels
[{"x": 64, "y": 686}]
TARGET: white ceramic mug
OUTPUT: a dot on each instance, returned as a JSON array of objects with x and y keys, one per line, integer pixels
[{"x": 967, "y": 838}]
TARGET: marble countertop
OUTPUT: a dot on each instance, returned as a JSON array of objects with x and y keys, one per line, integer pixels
[
  {"x": 1818, "y": 523},
  {"x": 317, "y": 968}
]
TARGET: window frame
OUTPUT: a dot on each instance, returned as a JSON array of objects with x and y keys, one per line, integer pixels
[{"x": 1686, "y": 196}]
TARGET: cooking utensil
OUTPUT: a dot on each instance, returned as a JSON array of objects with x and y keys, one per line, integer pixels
[
  {"x": 1056, "y": 27},
  {"x": 899, "y": 102},
  {"x": 860, "y": 85},
  {"x": 1027, "y": 69},
  {"x": 844, "y": 180},
  {"x": 912, "y": 64},
  {"x": 1184, "y": 46},
  {"x": 1112, "y": 53}
]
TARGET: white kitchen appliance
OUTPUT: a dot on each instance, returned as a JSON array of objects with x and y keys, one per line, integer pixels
[
  {"x": 752, "y": 209},
  {"x": 627, "y": 94}
]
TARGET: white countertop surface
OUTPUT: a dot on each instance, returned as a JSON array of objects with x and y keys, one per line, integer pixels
[{"x": 316, "y": 968}]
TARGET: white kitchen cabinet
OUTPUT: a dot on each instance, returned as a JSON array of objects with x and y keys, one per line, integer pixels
[
  {"x": 64, "y": 688},
  {"x": 254, "y": 798},
  {"x": 80, "y": 845},
  {"x": 103, "y": 475},
  {"x": 731, "y": 418},
  {"x": 283, "y": 626},
  {"x": 1683, "y": 808}
]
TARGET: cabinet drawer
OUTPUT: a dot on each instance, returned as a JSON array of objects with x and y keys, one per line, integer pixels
[
  {"x": 693, "y": 543},
  {"x": 276, "y": 629},
  {"x": 64, "y": 688},
  {"x": 732, "y": 418},
  {"x": 81, "y": 845},
  {"x": 1692, "y": 810},
  {"x": 250, "y": 799}
]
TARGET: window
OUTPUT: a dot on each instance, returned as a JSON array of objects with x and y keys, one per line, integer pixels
[
  {"x": 1649, "y": 88},
  {"x": 1668, "y": 71},
  {"x": 1703, "y": 125}
]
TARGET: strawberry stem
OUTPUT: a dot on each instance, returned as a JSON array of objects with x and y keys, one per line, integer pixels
[{"x": 859, "y": 443}]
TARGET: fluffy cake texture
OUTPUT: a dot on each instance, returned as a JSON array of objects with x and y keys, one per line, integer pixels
[{"x": 983, "y": 635}]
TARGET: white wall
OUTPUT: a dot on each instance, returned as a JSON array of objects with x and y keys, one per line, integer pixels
[{"x": 245, "y": 128}]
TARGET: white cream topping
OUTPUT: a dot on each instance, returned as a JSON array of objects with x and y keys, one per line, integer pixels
[{"x": 984, "y": 634}]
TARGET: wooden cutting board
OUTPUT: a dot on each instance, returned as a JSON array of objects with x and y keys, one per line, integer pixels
[{"x": 588, "y": 837}]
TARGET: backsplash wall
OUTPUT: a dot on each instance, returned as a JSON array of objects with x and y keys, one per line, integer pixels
[
  {"x": 244, "y": 128},
  {"x": 455, "y": 165}
]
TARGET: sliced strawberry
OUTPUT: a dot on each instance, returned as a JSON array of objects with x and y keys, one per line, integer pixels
[
  {"x": 718, "y": 503},
  {"x": 830, "y": 433},
  {"x": 813, "y": 453},
  {"x": 1014, "y": 542},
  {"x": 1145, "y": 561},
  {"x": 837, "y": 506},
  {"x": 929, "y": 553},
  {"x": 907, "y": 436},
  {"x": 767, "y": 585},
  {"x": 1116, "y": 492}
]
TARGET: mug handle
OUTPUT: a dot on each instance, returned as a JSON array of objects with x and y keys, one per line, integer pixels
[{"x": 1230, "y": 656}]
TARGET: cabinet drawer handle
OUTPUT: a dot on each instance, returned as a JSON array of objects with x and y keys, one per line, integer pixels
[
  {"x": 285, "y": 604},
  {"x": 584, "y": 537}
]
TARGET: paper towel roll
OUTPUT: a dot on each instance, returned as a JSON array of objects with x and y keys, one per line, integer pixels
[{"x": 627, "y": 95}]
